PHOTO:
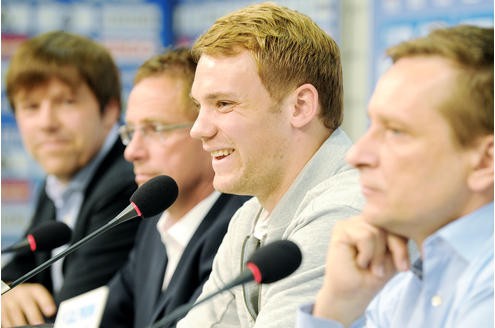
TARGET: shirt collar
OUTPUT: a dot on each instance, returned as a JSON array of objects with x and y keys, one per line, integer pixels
[
  {"x": 55, "y": 189},
  {"x": 183, "y": 230},
  {"x": 467, "y": 234}
]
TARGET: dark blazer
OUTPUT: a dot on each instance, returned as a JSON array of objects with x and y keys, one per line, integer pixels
[
  {"x": 136, "y": 299},
  {"x": 95, "y": 263}
]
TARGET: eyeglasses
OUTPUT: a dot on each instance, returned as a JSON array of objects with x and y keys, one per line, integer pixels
[{"x": 156, "y": 131}]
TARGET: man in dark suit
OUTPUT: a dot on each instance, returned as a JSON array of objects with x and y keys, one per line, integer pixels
[
  {"x": 64, "y": 91},
  {"x": 174, "y": 251}
]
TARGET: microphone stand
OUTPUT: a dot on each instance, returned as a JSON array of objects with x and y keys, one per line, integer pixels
[
  {"x": 67, "y": 251},
  {"x": 182, "y": 310}
]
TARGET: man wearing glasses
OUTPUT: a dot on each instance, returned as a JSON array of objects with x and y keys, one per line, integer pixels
[{"x": 174, "y": 251}]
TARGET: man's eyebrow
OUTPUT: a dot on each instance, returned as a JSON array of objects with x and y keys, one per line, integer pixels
[{"x": 216, "y": 95}]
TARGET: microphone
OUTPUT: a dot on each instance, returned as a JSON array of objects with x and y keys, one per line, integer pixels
[
  {"x": 269, "y": 263},
  {"x": 151, "y": 198},
  {"x": 45, "y": 237}
]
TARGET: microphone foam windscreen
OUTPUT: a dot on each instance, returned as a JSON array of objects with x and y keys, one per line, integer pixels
[
  {"x": 276, "y": 260},
  {"x": 155, "y": 195},
  {"x": 51, "y": 235}
]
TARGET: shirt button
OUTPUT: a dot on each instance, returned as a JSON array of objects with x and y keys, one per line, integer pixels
[{"x": 436, "y": 301}]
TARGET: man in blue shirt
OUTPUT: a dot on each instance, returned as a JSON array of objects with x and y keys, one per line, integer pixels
[{"x": 426, "y": 170}]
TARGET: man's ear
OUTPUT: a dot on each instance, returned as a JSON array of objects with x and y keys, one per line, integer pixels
[
  {"x": 306, "y": 105},
  {"x": 481, "y": 177}
]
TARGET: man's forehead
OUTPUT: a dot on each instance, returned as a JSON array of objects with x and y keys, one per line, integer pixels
[{"x": 70, "y": 83}]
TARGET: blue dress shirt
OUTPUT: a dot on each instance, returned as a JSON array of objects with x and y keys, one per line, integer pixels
[
  {"x": 68, "y": 198},
  {"x": 456, "y": 289}
]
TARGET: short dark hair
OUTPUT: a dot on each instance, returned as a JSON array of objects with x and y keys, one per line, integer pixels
[
  {"x": 177, "y": 63},
  {"x": 69, "y": 57}
]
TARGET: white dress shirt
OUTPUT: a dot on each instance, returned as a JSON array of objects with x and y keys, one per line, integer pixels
[{"x": 176, "y": 235}]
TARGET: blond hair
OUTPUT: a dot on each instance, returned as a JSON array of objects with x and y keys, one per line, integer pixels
[
  {"x": 469, "y": 110},
  {"x": 289, "y": 50}
]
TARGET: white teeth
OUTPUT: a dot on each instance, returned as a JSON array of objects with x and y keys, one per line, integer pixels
[{"x": 221, "y": 152}]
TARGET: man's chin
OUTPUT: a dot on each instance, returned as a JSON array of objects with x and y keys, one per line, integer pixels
[
  {"x": 142, "y": 179},
  {"x": 225, "y": 186},
  {"x": 373, "y": 215},
  {"x": 62, "y": 174}
]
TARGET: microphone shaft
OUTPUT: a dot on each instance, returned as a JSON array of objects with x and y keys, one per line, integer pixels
[
  {"x": 16, "y": 247},
  {"x": 67, "y": 251},
  {"x": 182, "y": 310}
]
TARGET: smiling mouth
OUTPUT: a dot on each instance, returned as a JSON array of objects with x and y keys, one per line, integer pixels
[{"x": 222, "y": 153}]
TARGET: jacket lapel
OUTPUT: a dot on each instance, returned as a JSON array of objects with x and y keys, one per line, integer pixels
[{"x": 165, "y": 298}]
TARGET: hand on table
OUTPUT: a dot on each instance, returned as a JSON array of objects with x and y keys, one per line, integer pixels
[{"x": 27, "y": 304}]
